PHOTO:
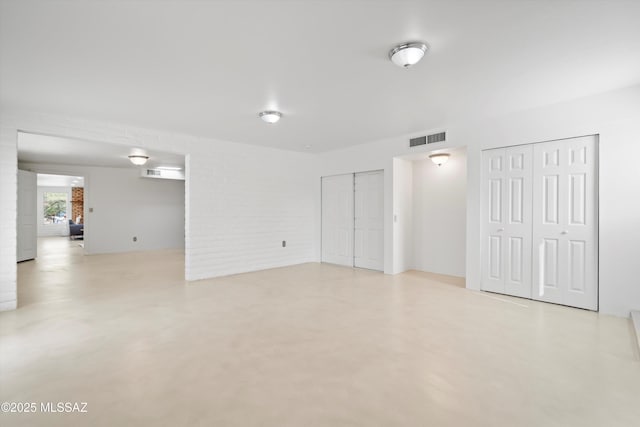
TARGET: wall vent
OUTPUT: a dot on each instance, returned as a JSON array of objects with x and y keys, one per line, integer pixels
[
  {"x": 162, "y": 174},
  {"x": 421, "y": 140},
  {"x": 436, "y": 137}
]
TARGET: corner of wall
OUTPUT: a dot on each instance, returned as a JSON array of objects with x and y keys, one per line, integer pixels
[{"x": 9, "y": 197}]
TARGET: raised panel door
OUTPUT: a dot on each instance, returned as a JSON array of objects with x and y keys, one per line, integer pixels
[
  {"x": 565, "y": 219},
  {"x": 337, "y": 219}
]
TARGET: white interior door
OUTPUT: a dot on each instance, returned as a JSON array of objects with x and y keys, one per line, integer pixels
[
  {"x": 507, "y": 222},
  {"x": 27, "y": 225},
  {"x": 368, "y": 220},
  {"x": 565, "y": 232},
  {"x": 337, "y": 219}
]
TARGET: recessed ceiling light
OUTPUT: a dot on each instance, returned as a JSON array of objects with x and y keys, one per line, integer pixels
[
  {"x": 407, "y": 54},
  {"x": 270, "y": 116},
  {"x": 308, "y": 146}
]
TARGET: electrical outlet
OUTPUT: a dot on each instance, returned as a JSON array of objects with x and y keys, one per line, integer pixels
[
  {"x": 135, "y": 238},
  {"x": 284, "y": 243}
]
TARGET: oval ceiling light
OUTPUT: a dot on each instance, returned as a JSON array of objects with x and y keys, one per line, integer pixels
[
  {"x": 439, "y": 159},
  {"x": 407, "y": 54},
  {"x": 270, "y": 116},
  {"x": 138, "y": 159}
]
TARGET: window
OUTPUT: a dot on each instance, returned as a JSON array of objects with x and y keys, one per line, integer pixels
[{"x": 55, "y": 208}]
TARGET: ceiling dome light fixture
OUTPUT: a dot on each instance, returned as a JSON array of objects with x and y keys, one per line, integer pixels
[
  {"x": 138, "y": 159},
  {"x": 439, "y": 158},
  {"x": 270, "y": 116},
  {"x": 407, "y": 54}
]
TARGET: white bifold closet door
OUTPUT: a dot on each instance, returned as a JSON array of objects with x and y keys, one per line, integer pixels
[
  {"x": 507, "y": 208},
  {"x": 337, "y": 219},
  {"x": 352, "y": 220},
  {"x": 565, "y": 218},
  {"x": 368, "y": 220},
  {"x": 540, "y": 224}
]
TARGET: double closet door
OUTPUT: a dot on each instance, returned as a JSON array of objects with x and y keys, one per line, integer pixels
[
  {"x": 352, "y": 220},
  {"x": 540, "y": 221}
]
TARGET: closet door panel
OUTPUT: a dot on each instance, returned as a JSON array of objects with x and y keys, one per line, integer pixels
[
  {"x": 506, "y": 213},
  {"x": 337, "y": 219},
  {"x": 493, "y": 214},
  {"x": 369, "y": 220},
  {"x": 565, "y": 222},
  {"x": 518, "y": 224}
]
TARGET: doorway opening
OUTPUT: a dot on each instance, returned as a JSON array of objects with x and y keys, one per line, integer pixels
[
  {"x": 89, "y": 198},
  {"x": 429, "y": 213}
]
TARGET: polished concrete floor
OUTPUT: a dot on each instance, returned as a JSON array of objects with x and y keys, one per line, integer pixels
[{"x": 309, "y": 345}]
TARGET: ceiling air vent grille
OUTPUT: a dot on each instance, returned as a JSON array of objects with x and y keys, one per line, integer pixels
[
  {"x": 162, "y": 174},
  {"x": 421, "y": 140},
  {"x": 436, "y": 137}
]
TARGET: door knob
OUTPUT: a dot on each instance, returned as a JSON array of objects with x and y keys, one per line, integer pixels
[{"x": 564, "y": 232}]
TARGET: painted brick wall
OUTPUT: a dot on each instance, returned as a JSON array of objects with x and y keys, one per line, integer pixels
[
  {"x": 8, "y": 195},
  {"x": 241, "y": 209},
  {"x": 241, "y": 200}
]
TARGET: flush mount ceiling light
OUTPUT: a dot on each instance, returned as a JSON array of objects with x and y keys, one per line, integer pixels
[
  {"x": 439, "y": 159},
  {"x": 407, "y": 54},
  {"x": 138, "y": 159},
  {"x": 270, "y": 116}
]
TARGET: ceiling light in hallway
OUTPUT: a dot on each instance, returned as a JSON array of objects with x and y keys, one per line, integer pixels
[
  {"x": 138, "y": 159},
  {"x": 439, "y": 158}
]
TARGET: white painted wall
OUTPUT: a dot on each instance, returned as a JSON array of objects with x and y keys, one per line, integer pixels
[
  {"x": 241, "y": 200},
  {"x": 124, "y": 205},
  {"x": 51, "y": 229},
  {"x": 613, "y": 115},
  {"x": 403, "y": 219},
  {"x": 9, "y": 197},
  {"x": 440, "y": 215}
]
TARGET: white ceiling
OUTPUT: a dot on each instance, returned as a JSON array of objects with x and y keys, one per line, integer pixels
[
  {"x": 48, "y": 180},
  {"x": 34, "y": 148},
  {"x": 208, "y": 67}
]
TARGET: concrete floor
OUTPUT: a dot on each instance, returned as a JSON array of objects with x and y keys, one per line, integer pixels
[{"x": 309, "y": 345}]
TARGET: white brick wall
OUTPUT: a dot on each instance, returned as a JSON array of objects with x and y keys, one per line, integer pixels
[
  {"x": 243, "y": 206},
  {"x": 241, "y": 200},
  {"x": 8, "y": 195}
]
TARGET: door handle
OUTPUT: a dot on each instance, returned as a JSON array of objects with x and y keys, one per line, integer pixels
[
  {"x": 564, "y": 232},
  {"x": 500, "y": 229}
]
